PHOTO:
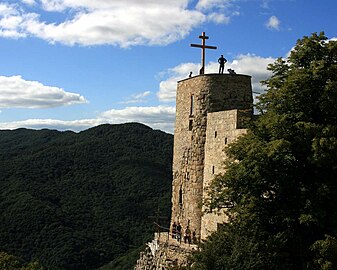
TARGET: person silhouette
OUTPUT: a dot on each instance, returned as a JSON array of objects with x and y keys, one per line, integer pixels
[{"x": 222, "y": 61}]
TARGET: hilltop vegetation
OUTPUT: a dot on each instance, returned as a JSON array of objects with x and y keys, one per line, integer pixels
[{"x": 79, "y": 201}]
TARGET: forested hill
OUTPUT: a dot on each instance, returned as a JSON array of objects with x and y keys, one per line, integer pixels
[{"x": 81, "y": 200}]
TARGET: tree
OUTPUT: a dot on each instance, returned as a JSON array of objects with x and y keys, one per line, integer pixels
[
  {"x": 10, "y": 262},
  {"x": 79, "y": 201},
  {"x": 280, "y": 185}
]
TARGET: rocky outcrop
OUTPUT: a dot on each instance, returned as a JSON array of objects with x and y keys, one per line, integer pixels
[{"x": 164, "y": 255}]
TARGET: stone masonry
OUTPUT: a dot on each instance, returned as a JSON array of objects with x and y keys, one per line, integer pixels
[
  {"x": 215, "y": 98},
  {"x": 211, "y": 112},
  {"x": 222, "y": 129}
]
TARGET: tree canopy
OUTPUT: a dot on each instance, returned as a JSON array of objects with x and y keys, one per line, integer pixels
[{"x": 280, "y": 185}]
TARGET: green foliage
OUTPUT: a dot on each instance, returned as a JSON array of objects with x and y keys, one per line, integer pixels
[
  {"x": 79, "y": 201},
  {"x": 280, "y": 185},
  {"x": 10, "y": 262},
  {"x": 326, "y": 253},
  {"x": 125, "y": 262}
]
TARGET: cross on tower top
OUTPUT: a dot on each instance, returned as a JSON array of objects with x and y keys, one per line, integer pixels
[{"x": 203, "y": 46}]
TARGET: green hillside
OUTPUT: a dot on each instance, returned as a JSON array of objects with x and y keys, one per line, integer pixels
[{"x": 82, "y": 200}]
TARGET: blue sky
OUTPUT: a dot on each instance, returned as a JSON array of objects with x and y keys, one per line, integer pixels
[{"x": 75, "y": 64}]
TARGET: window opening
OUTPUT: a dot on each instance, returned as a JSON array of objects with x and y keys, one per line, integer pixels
[
  {"x": 192, "y": 105},
  {"x": 226, "y": 140},
  {"x": 190, "y": 125},
  {"x": 215, "y": 134}
]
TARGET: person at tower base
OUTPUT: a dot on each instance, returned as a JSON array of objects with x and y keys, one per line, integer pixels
[
  {"x": 222, "y": 61},
  {"x": 174, "y": 230},
  {"x": 179, "y": 232},
  {"x": 187, "y": 235}
]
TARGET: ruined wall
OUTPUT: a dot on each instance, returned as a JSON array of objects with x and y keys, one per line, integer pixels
[
  {"x": 196, "y": 98},
  {"x": 222, "y": 129}
]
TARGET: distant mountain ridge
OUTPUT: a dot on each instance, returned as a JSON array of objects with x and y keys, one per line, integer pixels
[{"x": 82, "y": 200}]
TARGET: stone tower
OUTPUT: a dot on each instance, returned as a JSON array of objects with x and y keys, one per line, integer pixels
[{"x": 210, "y": 111}]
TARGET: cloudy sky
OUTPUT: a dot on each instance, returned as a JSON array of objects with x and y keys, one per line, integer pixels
[{"x": 74, "y": 64}]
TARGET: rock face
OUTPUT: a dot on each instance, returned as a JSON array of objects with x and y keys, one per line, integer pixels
[
  {"x": 164, "y": 253},
  {"x": 211, "y": 112}
]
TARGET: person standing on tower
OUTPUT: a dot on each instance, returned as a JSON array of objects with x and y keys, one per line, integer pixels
[{"x": 222, "y": 61}]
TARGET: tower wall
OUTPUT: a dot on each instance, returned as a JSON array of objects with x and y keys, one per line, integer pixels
[
  {"x": 196, "y": 98},
  {"x": 222, "y": 129}
]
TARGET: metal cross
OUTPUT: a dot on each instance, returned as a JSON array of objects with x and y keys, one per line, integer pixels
[{"x": 203, "y": 46}]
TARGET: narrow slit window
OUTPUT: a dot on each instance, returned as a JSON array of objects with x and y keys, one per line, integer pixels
[
  {"x": 215, "y": 134},
  {"x": 190, "y": 124},
  {"x": 192, "y": 105},
  {"x": 226, "y": 140},
  {"x": 213, "y": 169}
]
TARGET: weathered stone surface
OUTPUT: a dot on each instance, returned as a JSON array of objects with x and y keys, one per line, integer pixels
[
  {"x": 222, "y": 129},
  {"x": 162, "y": 254},
  {"x": 197, "y": 99},
  {"x": 211, "y": 112}
]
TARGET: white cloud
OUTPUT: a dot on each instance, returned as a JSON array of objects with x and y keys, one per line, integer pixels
[
  {"x": 218, "y": 11},
  {"x": 273, "y": 23},
  {"x": 218, "y": 18},
  {"x": 29, "y": 2},
  {"x": 10, "y": 21},
  {"x": 146, "y": 115},
  {"x": 57, "y": 5},
  {"x": 123, "y": 23},
  {"x": 113, "y": 22},
  {"x": 16, "y": 92},
  {"x": 255, "y": 66},
  {"x": 137, "y": 98},
  {"x": 6, "y": 10},
  {"x": 160, "y": 117},
  {"x": 210, "y": 4},
  {"x": 124, "y": 27},
  {"x": 167, "y": 88}
]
